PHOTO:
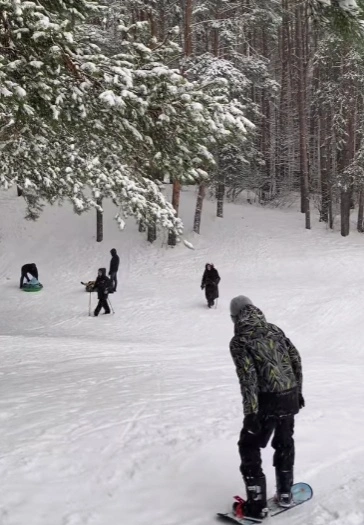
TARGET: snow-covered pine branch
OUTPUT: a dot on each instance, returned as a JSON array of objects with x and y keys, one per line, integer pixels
[{"x": 74, "y": 119}]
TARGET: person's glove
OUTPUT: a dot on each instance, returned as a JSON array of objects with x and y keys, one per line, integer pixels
[
  {"x": 301, "y": 401},
  {"x": 252, "y": 424}
]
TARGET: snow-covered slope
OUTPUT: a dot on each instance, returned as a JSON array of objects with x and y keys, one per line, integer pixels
[{"x": 134, "y": 418}]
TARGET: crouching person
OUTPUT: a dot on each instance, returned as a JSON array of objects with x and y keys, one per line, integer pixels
[{"x": 26, "y": 269}]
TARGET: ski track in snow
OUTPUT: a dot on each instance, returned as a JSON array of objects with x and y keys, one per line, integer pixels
[{"x": 134, "y": 417}]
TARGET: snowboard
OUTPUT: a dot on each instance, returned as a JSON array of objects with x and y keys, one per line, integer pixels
[{"x": 301, "y": 493}]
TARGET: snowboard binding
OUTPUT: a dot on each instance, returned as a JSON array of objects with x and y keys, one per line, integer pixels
[
  {"x": 238, "y": 506},
  {"x": 240, "y": 512}
]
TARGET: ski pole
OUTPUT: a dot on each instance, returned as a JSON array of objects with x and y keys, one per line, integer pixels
[
  {"x": 89, "y": 306},
  {"x": 112, "y": 309},
  {"x": 217, "y": 300}
]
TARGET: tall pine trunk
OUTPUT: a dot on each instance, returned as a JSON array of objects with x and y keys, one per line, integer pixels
[
  {"x": 282, "y": 168},
  {"x": 331, "y": 213},
  {"x": 346, "y": 156},
  {"x": 99, "y": 222},
  {"x": 302, "y": 114},
  {"x": 198, "y": 209},
  {"x": 360, "y": 225},
  {"x": 188, "y": 27},
  {"x": 332, "y": 163},
  {"x": 220, "y": 195},
  {"x": 220, "y": 189},
  {"x": 265, "y": 122},
  {"x": 176, "y": 193},
  {"x": 345, "y": 212},
  {"x": 152, "y": 232},
  {"x": 324, "y": 167}
]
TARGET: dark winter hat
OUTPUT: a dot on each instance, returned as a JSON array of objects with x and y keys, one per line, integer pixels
[
  {"x": 102, "y": 271},
  {"x": 113, "y": 251},
  {"x": 237, "y": 305}
]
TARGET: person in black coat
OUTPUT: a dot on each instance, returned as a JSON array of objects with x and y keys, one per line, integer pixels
[
  {"x": 114, "y": 267},
  {"x": 103, "y": 286},
  {"x": 30, "y": 268},
  {"x": 210, "y": 282}
]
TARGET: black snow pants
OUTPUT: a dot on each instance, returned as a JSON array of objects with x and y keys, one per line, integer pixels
[
  {"x": 283, "y": 444},
  {"x": 114, "y": 280},
  {"x": 103, "y": 303}
]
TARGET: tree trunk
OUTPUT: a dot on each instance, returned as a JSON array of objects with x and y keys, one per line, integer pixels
[
  {"x": 324, "y": 170},
  {"x": 331, "y": 215},
  {"x": 325, "y": 200},
  {"x": 99, "y": 222},
  {"x": 361, "y": 211},
  {"x": 188, "y": 27},
  {"x": 198, "y": 210},
  {"x": 176, "y": 193},
  {"x": 152, "y": 233},
  {"x": 265, "y": 123},
  {"x": 332, "y": 162},
  {"x": 220, "y": 194},
  {"x": 19, "y": 191},
  {"x": 345, "y": 158},
  {"x": 347, "y": 154},
  {"x": 216, "y": 33},
  {"x": 345, "y": 213},
  {"x": 301, "y": 98},
  {"x": 285, "y": 110}
]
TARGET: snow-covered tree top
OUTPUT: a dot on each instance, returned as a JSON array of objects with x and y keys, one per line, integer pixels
[
  {"x": 347, "y": 5},
  {"x": 74, "y": 118}
]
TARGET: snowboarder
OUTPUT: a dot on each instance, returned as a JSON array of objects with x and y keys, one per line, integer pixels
[
  {"x": 270, "y": 375},
  {"x": 26, "y": 269},
  {"x": 114, "y": 267},
  {"x": 103, "y": 286},
  {"x": 210, "y": 282}
]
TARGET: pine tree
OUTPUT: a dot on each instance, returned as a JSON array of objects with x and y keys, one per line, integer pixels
[{"x": 74, "y": 119}]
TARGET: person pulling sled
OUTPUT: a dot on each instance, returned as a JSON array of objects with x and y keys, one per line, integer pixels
[
  {"x": 270, "y": 374},
  {"x": 210, "y": 283},
  {"x": 103, "y": 286}
]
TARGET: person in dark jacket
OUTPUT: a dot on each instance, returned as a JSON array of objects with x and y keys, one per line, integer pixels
[
  {"x": 114, "y": 268},
  {"x": 210, "y": 283},
  {"x": 270, "y": 375},
  {"x": 26, "y": 269},
  {"x": 103, "y": 286}
]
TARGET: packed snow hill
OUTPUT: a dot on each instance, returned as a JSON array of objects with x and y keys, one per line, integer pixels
[{"x": 135, "y": 417}]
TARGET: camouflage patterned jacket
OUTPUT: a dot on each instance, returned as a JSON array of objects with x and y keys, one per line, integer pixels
[{"x": 267, "y": 364}]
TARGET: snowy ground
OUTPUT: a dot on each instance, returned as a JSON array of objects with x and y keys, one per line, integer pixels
[{"x": 134, "y": 418}]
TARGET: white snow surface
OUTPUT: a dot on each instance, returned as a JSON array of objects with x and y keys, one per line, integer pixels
[{"x": 134, "y": 417}]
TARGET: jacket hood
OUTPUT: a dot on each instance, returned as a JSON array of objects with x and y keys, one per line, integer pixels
[
  {"x": 251, "y": 323},
  {"x": 113, "y": 252},
  {"x": 212, "y": 267},
  {"x": 103, "y": 271}
]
